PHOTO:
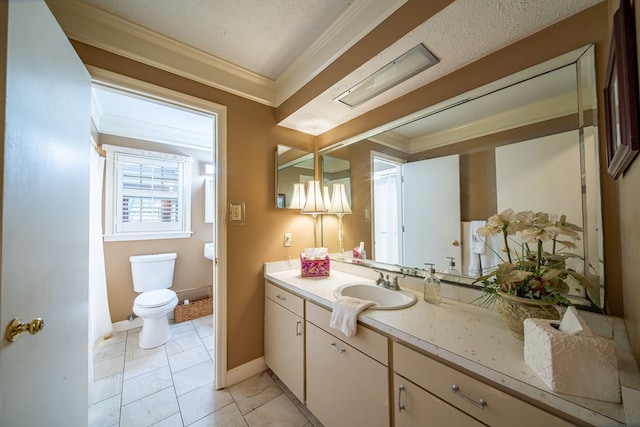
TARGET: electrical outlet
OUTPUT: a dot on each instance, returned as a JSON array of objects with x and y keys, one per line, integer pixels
[{"x": 287, "y": 240}]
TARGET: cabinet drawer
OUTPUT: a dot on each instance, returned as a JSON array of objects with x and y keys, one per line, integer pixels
[
  {"x": 367, "y": 341},
  {"x": 438, "y": 379},
  {"x": 344, "y": 386},
  {"x": 285, "y": 298},
  {"x": 421, "y": 408}
]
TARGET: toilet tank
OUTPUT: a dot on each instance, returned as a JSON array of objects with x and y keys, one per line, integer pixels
[{"x": 152, "y": 272}]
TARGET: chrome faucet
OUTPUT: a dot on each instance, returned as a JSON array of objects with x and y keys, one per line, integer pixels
[
  {"x": 380, "y": 281},
  {"x": 394, "y": 286},
  {"x": 387, "y": 283}
]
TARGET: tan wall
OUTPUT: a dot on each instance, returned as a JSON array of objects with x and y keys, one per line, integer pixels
[
  {"x": 478, "y": 195},
  {"x": 629, "y": 206},
  {"x": 192, "y": 268}
]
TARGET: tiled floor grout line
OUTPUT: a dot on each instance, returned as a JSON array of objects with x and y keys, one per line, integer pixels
[{"x": 195, "y": 331}]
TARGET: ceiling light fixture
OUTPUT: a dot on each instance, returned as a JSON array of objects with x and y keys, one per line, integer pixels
[{"x": 400, "y": 69}]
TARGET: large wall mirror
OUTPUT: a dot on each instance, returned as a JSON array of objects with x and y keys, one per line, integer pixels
[
  {"x": 294, "y": 167},
  {"x": 526, "y": 142}
]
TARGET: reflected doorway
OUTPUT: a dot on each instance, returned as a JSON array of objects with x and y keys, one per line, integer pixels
[{"x": 387, "y": 207}]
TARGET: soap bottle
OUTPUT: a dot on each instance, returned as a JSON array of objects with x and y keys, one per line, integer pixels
[
  {"x": 452, "y": 267},
  {"x": 432, "y": 286}
]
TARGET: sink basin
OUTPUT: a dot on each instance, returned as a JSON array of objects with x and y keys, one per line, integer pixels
[
  {"x": 208, "y": 251},
  {"x": 385, "y": 299}
]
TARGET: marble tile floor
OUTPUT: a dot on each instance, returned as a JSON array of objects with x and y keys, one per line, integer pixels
[{"x": 172, "y": 385}]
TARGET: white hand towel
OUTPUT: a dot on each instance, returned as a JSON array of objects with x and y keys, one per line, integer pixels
[
  {"x": 493, "y": 254},
  {"x": 478, "y": 242},
  {"x": 345, "y": 314},
  {"x": 474, "y": 265}
]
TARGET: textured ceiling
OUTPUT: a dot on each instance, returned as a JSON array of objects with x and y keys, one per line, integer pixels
[
  {"x": 263, "y": 36},
  {"x": 267, "y": 36},
  {"x": 461, "y": 33}
]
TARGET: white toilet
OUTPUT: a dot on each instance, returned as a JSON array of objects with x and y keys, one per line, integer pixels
[{"x": 152, "y": 277}]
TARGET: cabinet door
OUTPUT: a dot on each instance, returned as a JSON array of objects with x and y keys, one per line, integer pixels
[
  {"x": 344, "y": 387},
  {"x": 284, "y": 346},
  {"x": 416, "y": 407}
]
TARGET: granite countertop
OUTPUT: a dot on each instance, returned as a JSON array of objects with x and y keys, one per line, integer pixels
[{"x": 474, "y": 338}]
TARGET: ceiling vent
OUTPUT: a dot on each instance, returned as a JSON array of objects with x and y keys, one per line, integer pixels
[{"x": 400, "y": 69}]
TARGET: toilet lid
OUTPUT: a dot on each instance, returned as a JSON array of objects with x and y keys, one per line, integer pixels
[{"x": 156, "y": 298}]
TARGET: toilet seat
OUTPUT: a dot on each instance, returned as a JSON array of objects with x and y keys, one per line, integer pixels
[{"x": 157, "y": 298}]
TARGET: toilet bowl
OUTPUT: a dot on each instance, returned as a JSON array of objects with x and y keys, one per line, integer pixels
[
  {"x": 152, "y": 277},
  {"x": 153, "y": 307}
]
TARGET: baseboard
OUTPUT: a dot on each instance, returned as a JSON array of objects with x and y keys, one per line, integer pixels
[
  {"x": 245, "y": 371},
  {"x": 125, "y": 325}
]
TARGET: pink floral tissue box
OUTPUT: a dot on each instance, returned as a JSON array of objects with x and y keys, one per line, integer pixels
[{"x": 314, "y": 267}]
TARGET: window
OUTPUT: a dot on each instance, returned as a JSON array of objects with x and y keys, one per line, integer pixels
[{"x": 148, "y": 195}]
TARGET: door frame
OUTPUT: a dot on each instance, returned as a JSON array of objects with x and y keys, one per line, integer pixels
[
  {"x": 378, "y": 155},
  {"x": 109, "y": 78}
]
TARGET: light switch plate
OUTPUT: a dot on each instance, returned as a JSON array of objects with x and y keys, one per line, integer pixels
[
  {"x": 236, "y": 213},
  {"x": 287, "y": 240}
]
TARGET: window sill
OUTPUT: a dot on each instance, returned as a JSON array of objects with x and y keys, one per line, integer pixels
[{"x": 123, "y": 237}]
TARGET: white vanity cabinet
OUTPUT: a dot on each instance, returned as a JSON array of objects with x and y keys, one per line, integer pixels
[
  {"x": 415, "y": 406},
  {"x": 347, "y": 378},
  {"x": 469, "y": 395},
  {"x": 284, "y": 337}
]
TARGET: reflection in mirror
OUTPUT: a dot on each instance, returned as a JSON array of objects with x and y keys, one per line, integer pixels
[
  {"x": 335, "y": 171},
  {"x": 336, "y": 176},
  {"x": 526, "y": 142},
  {"x": 293, "y": 166}
]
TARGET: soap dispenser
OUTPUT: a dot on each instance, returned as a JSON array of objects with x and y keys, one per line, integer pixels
[
  {"x": 432, "y": 286},
  {"x": 452, "y": 267}
]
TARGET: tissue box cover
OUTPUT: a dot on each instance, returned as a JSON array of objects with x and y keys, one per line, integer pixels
[
  {"x": 584, "y": 366},
  {"x": 314, "y": 267}
]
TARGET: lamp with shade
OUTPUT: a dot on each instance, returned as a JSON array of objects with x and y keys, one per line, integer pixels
[
  {"x": 340, "y": 207},
  {"x": 298, "y": 199},
  {"x": 326, "y": 197},
  {"x": 314, "y": 205}
]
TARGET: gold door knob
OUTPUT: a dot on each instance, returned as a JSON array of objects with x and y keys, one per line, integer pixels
[
  {"x": 17, "y": 326},
  {"x": 455, "y": 243}
]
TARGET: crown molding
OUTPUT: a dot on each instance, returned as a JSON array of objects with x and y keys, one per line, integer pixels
[
  {"x": 90, "y": 25},
  {"x": 353, "y": 24},
  {"x": 393, "y": 140},
  {"x": 547, "y": 109}
]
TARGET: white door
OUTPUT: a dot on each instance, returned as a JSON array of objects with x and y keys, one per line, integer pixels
[
  {"x": 432, "y": 213},
  {"x": 45, "y": 220}
]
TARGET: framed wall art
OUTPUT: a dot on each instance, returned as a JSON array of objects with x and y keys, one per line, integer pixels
[{"x": 621, "y": 93}]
